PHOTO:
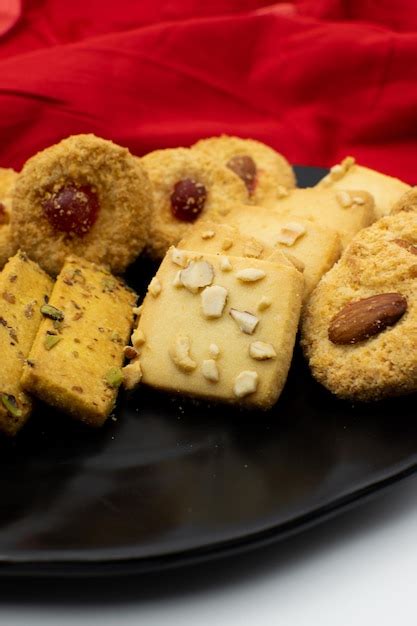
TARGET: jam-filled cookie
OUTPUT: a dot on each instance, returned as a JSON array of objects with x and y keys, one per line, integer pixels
[
  {"x": 7, "y": 181},
  {"x": 85, "y": 196},
  {"x": 359, "y": 328},
  {"x": 266, "y": 173},
  {"x": 187, "y": 186}
]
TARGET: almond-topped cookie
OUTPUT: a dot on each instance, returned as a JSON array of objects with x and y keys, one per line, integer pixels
[
  {"x": 85, "y": 196},
  {"x": 187, "y": 186},
  {"x": 266, "y": 173},
  {"x": 350, "y": 176},
  {"x": 76, "y": 359},
  {"x": 359, "y": 327},
  {"x": 216, "y": 332}
]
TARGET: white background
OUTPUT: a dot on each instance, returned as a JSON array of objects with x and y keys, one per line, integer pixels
[{"x": 359, "y": 568}]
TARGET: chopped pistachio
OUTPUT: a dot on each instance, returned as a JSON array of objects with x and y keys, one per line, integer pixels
[
  {"x": 10, "y": 404},
  {"x": 114, "y": 377},
  {"x": 51, "y": 341},
  {"x": 52, "y": 312},
  {"x": 108, "y": 284}
]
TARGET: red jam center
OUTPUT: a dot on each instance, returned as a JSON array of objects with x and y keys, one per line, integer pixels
[
  {"x": 72, "y": 209},
  {"x": 187, "y": 199},
  {"x": 244, "y": 166},
  {"x": 4, "y": 218}
]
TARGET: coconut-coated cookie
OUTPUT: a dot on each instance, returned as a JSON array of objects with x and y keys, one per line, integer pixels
[
  {"x": 187, "y": 186},
  {"x": 8, "y": 248},
  {"x": 359, "y": 328},
  {"x": 349, "y": 175},
  {"x": 266, "y": 173},
  {"x": 85, "y": 196}
]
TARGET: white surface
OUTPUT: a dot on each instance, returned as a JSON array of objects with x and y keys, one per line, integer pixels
[{"x": 358, "y": 569}]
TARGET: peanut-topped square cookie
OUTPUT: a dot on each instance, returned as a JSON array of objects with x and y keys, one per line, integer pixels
[{"x": 216, "y": 331}]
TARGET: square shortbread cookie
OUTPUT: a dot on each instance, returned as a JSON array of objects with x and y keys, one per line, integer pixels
[{"x": 221, "y": 333}]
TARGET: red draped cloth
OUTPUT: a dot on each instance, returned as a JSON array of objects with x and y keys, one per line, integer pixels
[{"x": 316, "y": 79}]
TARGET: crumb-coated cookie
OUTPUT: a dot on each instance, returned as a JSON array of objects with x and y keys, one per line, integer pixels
[
  {"x": 266, "y": 173},
  {"x": 359, "y": 328},
  {"x": 316, "y": 248},
  {"x": 407, "y": 202},
  {"x": 186, "y": 186},
  {"x": 84, "y": 196},
  {"x": 219, "y": 332},
  {"x": 8, "y": 247},
  {"x": 348, "y": 175},
  {"x": 76, "y": 358},
  {"x": 346, "y": 212},
  {"x": 24, "y": 289}
]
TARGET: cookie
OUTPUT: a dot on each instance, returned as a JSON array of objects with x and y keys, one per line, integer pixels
[
  {"x": 266, "y": 173},
  {"x": 76, "y": 358},
  {"x": 407, "y": 202},
  {"x": 187, "y": 186},
  {"x": 316, "y": 248},
  {"x": 226, "y": 240},
  {"x": 359, "y": 325},
  {"x": 219, "y": 333},
  {"x": 346, "y": 212},
  {"x": 7, "y": 247},
  {"x": 85, "y": 196},
  {"x": 348, "y": 175},
  {"x": 24, "y": 288}
]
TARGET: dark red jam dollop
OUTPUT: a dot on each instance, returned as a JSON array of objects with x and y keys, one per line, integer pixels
[
  {"x": 187, "y": 199},
  {"x": 72, "y": 210}
]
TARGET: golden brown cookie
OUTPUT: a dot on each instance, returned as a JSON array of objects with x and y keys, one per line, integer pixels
[
  {"x": 85, "y": 196},
  {"x": 266, "y": 173},
  {"x": 407, "y": 202},
  {"x": 359, "y": 328},
  {"x": 187, "y": 186},
  {"x": 8, "y": 248}
]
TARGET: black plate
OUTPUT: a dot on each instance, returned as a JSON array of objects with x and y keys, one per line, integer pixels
[{"x": 169, "y": 481}]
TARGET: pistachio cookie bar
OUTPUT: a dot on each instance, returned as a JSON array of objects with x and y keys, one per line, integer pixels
[
  {"x": 346, "y": 212},
  {"x": 359, "y": 327},
  {"x": 218, "y": 332},
  {"x": 85, "y": 196},
  {"x": 348, "y": 175},
  {"x": 8, "y": 248},
  {"x": 266, "y": 173},
  {"x": 186, "y": 186}
]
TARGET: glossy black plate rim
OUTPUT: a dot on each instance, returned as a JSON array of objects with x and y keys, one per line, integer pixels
[{"x": 100, "y": 568}]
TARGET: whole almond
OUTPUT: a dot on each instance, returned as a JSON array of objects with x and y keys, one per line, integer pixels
[{"x": 364, "y": 318}]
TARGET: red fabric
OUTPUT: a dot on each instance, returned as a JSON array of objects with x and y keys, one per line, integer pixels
[{"x": 317, "y": 79}]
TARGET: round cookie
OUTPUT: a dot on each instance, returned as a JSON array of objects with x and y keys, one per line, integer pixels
[
  {"x": 407, "y": 202},
  {"x": 8, "y": 248},
  {"x": 266, "y": 173},
  {"x": 85, "y": 196},
  {"x": 359, "y": 328},
  {"x": 186, "y": 186}
]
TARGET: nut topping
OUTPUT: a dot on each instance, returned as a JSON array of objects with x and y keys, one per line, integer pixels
[
  {"x": 196, "y": 275},
  {"x": 250, "y": 275},
  {"x": 358, "y": 200},
  {"x": 290, "y": 232},
  {"x": 282, "y": 192},
  {"x": 227, "y": 243},
  {"x": 253, "y": 248},
  {"x": 407, "y": 245},
  {"x": 264, "y": 303},
  {"x": 246, "y": 321},
  {"x": 179, "y": 257},
  {"x": 207, "y": 234},
  {"x": 214, "y": 350},
  {"x": 210, "y": 370},
  {"x": 155, "y": 287},
  {"x": 180, "y": 354},
  {"x": 344, "y": 199},
  {"x": 299, "y": 265},
  {"x": 245, "y": 383},
  {"x": 132, "y": 374},
  {"x": 225, "y": 264},
  {"x": 213, "y": 300},
  {"x": 138, "y": 338},
  {"x": 364, "y": 318},
  {"x": 177, "y": 279},
  {"x": 261, "y": 351}
]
